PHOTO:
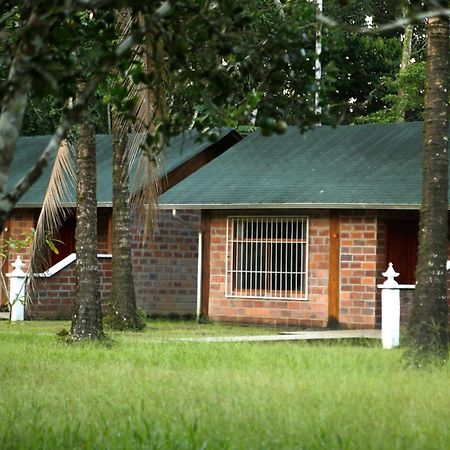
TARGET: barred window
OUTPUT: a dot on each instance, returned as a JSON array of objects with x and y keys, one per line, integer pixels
[{"x": 267, "y": 257}]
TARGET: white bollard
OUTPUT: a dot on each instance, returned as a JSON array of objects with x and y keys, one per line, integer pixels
[
  {"x": 390, "y": 309},
  {"x": 17, "y": 290}
]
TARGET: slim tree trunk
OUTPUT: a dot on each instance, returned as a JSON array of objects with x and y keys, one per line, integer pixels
[
  {"x": 406, "y": 56},
  {"x": 429, "y": 322},
  {"x": 87, "y": 320},
  {"x": 123, "y": 298}
]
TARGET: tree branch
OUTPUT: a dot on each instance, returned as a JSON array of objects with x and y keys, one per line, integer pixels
[
  {"x": 6, "y": 17},
  {"x": 15, "y": 99},
  {"x": 398, "y": 23},
  {"x": 11, "y": 198}
]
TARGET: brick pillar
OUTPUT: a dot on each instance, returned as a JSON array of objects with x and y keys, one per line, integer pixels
[{"x": 358, "y": 270}]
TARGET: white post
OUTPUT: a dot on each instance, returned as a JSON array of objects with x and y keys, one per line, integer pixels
[
  {"x": 17, "y": 290},
  {"x": 390, "y": 309}
]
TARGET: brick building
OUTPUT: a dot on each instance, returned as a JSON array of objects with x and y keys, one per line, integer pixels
[
  {"x": 297, "y": 229},
  {"x": 165, "y": 270}
]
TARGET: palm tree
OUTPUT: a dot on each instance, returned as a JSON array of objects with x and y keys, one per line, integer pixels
[
  {"x": 428, "y": 328},
  {"x": 87, "y": 320},
  {"x": 126, "y": 150}
]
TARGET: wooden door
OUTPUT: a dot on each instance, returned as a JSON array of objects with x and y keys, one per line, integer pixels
[
  {"x": 401, "y": 248},
  {"x": 66, "y": 234}
]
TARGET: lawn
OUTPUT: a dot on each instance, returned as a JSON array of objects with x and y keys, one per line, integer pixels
[{"x": 149, "y": 391}]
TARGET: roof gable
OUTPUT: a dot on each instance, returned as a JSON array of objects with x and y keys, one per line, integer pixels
[
  {"x": 366, "y": 166},
  {"x": 180, "y": 150}
]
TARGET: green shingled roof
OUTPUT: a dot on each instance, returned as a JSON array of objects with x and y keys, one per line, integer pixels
[
  {"x": 181, "y": 149},
  {"x": 363, "y": 166}
]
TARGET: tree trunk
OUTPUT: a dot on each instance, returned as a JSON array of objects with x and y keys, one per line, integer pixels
[
  {"x": 87, "y": 320},
  {"x": 124, "y": 313},
  {"x": 429, "y": 321},
  {"x": 406, "y": 56}
]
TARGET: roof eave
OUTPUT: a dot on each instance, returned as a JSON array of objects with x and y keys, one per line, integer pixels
[
  {"x": 289, "y": 206},
  {"x": 64, "y": 205}
]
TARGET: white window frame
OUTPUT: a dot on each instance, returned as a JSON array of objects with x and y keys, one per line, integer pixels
[{"x": 267, "y": 244}]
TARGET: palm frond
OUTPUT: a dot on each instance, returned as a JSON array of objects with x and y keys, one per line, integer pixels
[
  {"x": 54, "y": 212},
  {"x": 149, "y": 108}
]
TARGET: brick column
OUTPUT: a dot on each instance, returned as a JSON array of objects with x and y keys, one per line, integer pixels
[{"x": 358, "y": 270}]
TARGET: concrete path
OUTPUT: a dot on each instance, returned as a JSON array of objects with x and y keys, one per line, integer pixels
[{"x": 293, "y": 336}]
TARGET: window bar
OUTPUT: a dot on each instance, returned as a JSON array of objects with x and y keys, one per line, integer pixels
[
  {"x": 251, "y": 259},
  {"x": 244, "y": 282},
  {"x": 280, "y": 269},
  {"x": 258, "y": 259},
  {"x": 256, "y": 247},
  {"x": 231, "y": 246},
  {"x": 274, "y": 261},
  {"x": 261, "y": 271},
  {"x": 281, "y": 259},
  {"x": 242, "y": 260},
  {"x": 296, "y": 256},
  {"x": 291, "y": 274},
  {"x": 301, "y": 256},
  {"x": 267, "y": 260},
  {"x": 271, "y": 254},
  {"x": 258, "y": 266},
  {"x": 260, "y": 256},
  {"x": 285, "y": 255},
  {"x": 230, "y": 249},
  {"x": 241, "y": 245},
  {"x": 276, "y": 257},
  {"x": 255, "y": 256},
  {"x": 306, "y": 257},
  {"x": 226, "y": 258},
  {"x": 238, "y": 266},
  {"x": 284, "y": 237},
  {"x": 235, "y": 250}
]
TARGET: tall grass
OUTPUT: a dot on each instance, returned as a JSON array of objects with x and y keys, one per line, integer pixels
[{"x": 139, "y": 392}]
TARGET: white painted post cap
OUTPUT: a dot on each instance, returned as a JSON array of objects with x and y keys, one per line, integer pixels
[
  {"x": 17, "y": 272},
  {"x": 390, "y": 274}
]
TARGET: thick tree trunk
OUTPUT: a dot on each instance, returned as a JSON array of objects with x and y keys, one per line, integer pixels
[
  {"x": 87, "y": 320},
  {"x": 124, "y": 313},
  {"x": 429, "y": 322}
]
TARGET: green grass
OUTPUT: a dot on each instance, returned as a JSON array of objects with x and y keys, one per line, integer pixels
[{"x": 146, "y": 391}]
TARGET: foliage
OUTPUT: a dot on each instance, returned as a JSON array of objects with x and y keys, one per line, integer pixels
[
  {"x": 12, "y": 245},
  {"x": 212, "y": 57},
  {"x": 367, "y": 60},
  {"x": 173, "y": 395},
  {"x": 366, "y": 66},
  {"x": 411, "y": 82},
  {"x": 15, "y": 245}
]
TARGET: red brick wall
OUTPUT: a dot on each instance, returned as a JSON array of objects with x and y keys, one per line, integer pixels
[
  {"x": 381, "y": 265},
  {"x": 361, "y": 258},
  {"x": 358, "y": 270},
  {"x": 17, "y": 228},
  {"x": 20, "y": 225},
  {"x": 313, "y": 312},
  {"x": 55, "y": 296},
  {"x": 165, "y": 270}
]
